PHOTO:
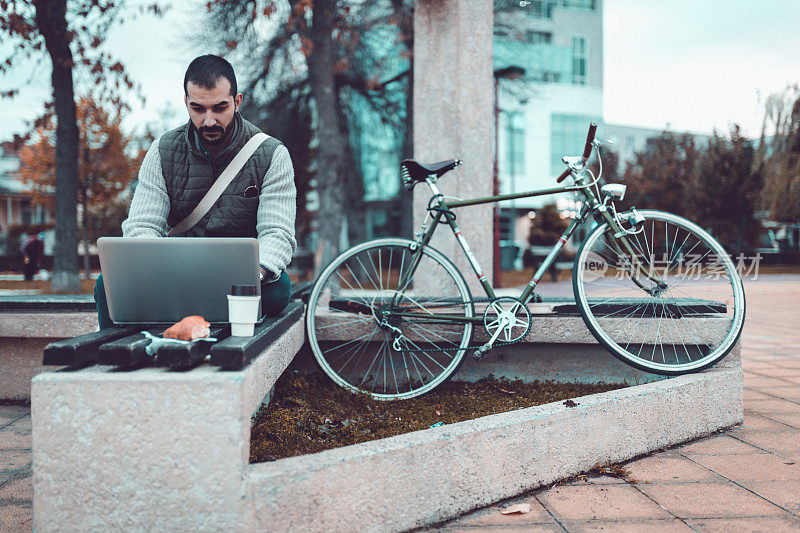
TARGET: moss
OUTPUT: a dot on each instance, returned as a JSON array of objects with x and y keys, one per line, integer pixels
[{"x": 308, "y": 413}]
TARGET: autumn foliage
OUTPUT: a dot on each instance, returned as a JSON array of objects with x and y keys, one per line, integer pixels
[{"x": 105, "y": 164}]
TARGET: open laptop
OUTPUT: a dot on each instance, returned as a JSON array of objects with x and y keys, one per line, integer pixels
[{"x": 161, "y": 280}]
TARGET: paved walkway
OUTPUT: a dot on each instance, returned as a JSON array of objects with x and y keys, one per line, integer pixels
[{"x": 745, "y": 479}]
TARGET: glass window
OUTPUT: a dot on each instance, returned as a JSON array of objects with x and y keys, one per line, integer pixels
[
  {"x": 567, "y": 137},
  {"x": 578, "y": 60},
  {"x": 515, "y": 130},
  {"x": 538, "y": 37}
]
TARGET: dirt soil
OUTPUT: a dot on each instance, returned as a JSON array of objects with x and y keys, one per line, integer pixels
[{"x": 309, "y": 413}]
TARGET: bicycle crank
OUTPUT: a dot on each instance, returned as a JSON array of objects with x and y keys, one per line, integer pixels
[{"x": 506, "y": 319}]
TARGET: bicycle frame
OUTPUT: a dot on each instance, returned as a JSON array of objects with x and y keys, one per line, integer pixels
[{"x": 592, "y": 204}]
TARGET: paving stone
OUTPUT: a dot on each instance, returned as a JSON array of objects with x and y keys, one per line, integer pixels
[
  {"x": 676, "y": 469},
  {"x": 760, "y": 421},
  {"x": 15, "y": 459},
  {"x": 748, "y": 467},
  {"x": 9, "y": 413},
  {"x": 752, "y": 381},
  {"x": 782, "y": 442},
  {"x": 16, "y": 509},
  {"x": 783, "y": 493},
  {"x": 599, "y": 480},
  {"x": 780, "y": 372},
  {"x": 10, "y": 440},
  {"x": 493, "y": 517},
  {"x": 718, "y": 445},
  {"x": 16, "y": 518},
  {"x": 771, "y": 406},
  {"x": 791, "y": 392},
  {"x": 534, "y": 528},
  {"x": 753, "y": 394},
  {"x": 628, "y": 526},
  {"x": 708, "y": 500},
  {"x": 599, "y": 502},
  {"x": 790, "y": 419},
  {"x": 754, "y": 525}
]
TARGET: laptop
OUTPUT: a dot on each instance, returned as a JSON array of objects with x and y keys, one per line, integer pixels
[{"x": 160, "y": 280}]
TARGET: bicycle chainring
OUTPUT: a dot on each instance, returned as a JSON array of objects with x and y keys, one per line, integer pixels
[{"x": 509, "y": 315}]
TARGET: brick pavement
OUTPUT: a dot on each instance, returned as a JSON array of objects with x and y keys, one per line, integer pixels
[{"x": 744, "y": 479}]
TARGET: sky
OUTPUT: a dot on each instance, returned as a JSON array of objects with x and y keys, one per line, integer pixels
[{"x": 694, "y": 65}]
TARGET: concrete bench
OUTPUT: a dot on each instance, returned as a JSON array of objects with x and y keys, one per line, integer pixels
[
  {"x": 28, "y": 324},
  {"x": 151, "y": 447},
  {"x": 157, "y": 449}
]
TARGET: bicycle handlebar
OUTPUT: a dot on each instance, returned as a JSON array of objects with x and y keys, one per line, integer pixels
[
  {"x": 587, "y": 151},
  {"x": 563, "y": 175}
]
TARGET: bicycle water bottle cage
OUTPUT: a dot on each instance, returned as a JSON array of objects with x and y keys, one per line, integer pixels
[{"x": 412, "y": 172}]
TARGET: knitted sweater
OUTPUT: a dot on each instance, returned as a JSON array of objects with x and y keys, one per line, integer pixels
[{"x": 276, "y": 208}]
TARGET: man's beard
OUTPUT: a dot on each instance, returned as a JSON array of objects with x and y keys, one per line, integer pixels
[{"x": 219, "y": 139}]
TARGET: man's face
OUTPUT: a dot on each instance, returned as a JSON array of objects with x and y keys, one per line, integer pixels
[{"x": 211, "y": 110}]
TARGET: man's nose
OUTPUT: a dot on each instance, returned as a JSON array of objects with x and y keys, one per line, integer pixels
[{"x": 208, "y": 120}]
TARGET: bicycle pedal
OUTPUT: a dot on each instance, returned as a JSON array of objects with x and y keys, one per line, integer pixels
[{"x": 480, "y": 353}]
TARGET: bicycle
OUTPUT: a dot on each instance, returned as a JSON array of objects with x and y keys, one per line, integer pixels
[{"x": 394, "y": 317}]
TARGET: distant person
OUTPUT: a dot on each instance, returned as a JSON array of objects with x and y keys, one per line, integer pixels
[
  {"x": 32, "y": 254},
  {"x": 182, "y": 164}
]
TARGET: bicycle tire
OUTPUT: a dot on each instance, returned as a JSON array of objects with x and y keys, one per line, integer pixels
[
  {"x": 344, "y": 314},
  {"x": 692, "y": 322}
]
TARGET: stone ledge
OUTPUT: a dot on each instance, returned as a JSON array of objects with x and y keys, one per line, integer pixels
[
  {"x": 47, "y": 325},
  {"x": 429, "y": 476}
]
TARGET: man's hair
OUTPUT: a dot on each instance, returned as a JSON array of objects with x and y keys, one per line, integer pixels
[{"x": 206, "y": 70}]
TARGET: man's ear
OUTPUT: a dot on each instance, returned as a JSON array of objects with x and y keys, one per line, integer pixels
[
  {"x": 238, "y": 100},
  {"x": 186, "y": 101}
]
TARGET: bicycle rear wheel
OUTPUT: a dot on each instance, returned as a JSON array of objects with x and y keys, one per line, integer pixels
[
  {"x": 689, "y": 310},
  {"x": 373, "y": 328}
]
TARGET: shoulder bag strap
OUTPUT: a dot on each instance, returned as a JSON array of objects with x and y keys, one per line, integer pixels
[{"x": 219, "y": 185}]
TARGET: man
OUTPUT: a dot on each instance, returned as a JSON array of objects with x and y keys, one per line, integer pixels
[
  {"x": 32, "y": 254},
  {"x": 182, "y": 164}
]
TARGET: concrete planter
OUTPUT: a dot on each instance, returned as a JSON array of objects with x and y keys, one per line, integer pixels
[
  {"x": 429, "y": 476},
  {"x": 106, "y": 453}
]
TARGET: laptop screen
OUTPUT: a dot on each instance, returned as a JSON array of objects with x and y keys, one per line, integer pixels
[{"x": 163, "y": 279}]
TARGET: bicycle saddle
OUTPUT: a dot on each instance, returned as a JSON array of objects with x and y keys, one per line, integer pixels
[{"x": 413, "y": 172}]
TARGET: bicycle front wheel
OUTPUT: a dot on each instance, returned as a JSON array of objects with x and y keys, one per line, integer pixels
[
  {"x": 377, "y": 319},
  {"x": 666, "y": 300}
]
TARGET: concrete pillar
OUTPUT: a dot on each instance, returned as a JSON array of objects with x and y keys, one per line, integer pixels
[{"x": 453, "y": 118}]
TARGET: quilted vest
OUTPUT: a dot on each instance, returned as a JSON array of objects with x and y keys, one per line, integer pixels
[{"x": 189, "y": 172}]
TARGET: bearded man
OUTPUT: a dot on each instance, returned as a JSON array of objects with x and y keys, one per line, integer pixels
[{"x": 182, "y": 164}]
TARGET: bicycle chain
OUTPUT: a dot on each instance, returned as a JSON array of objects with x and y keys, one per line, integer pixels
[{"x": 475, "y": 346}]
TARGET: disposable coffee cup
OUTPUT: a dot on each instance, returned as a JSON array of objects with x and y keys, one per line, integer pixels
[{"x": 243, "y": 309}]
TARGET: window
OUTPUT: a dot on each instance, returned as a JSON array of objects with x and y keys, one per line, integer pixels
[
  {"x": 578, "y": 60},
  {"x": 579, "y": 4},
  {"x": 538, "y": 37},
  {"x": 516, "y": 146},
  {"x": 567, "y": 137},
  {"x": 544, "y": 8}
]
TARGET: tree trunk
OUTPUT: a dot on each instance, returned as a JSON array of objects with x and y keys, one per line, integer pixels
[
  {"x": 85, "y": 231},
  {"x": 330, "y": 173},
  {"x": 52, "y": 23}
]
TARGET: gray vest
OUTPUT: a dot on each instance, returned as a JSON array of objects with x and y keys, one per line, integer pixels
[{"x": 189, "y": 173}]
